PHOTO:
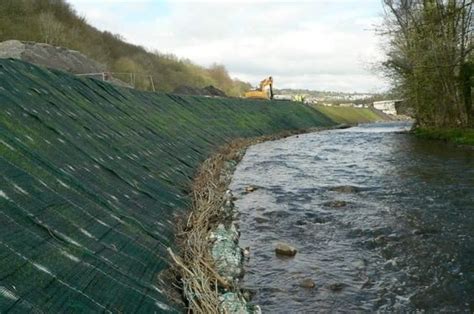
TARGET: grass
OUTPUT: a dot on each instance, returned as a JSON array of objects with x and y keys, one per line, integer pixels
[
  {"x": 349, "y": 115},
  {"x": 457, "y": 136}
]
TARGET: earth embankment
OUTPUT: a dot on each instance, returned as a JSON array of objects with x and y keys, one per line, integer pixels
[{"x": 92, "y": 178}]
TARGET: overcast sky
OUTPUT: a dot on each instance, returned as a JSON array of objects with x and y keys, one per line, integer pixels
[{"x": 317, "y": 44}]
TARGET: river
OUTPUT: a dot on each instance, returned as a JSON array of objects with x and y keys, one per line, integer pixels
[{"x": 382, "y": 221}]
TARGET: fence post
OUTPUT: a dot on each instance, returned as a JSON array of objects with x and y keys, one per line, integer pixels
[{"x": 152, "y": 83}]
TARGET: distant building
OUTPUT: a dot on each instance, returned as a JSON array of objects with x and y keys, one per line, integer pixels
[
  {"x": 311, "y": 100},
  {"x": 349, "y": 104},
  {"x": 387, "y": 106},
  {"x": 282, "y": 97}
]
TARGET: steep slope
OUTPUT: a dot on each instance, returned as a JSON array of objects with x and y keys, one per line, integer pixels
[{"x": 92, "y": 177}]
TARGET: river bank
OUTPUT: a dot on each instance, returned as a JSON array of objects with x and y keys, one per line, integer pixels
[
  {"x": 210, "y": 261},
  {"x": 456, "y": 136}
]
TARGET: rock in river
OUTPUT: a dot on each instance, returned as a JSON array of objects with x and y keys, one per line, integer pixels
[
  {"x": 336, "y": 204},
  {"x": 261, "y": 220},
  {"x": 345, "y": 189},
  {"x": 251, "y": 188},
  {"x": 307, "y": 283},
  {"x": 337, "y": 286},
  {"x": 285, "y": 250}
]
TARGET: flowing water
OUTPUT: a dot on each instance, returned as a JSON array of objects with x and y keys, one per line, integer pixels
[{"x": 398, "y": 235}]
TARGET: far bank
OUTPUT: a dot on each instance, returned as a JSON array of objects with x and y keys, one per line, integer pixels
[{"x": 456, "y": 136}]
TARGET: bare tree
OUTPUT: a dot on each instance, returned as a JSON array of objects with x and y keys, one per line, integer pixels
[
  {"x": 52, "y": 31},
  {"x": 430, "y": 58}
]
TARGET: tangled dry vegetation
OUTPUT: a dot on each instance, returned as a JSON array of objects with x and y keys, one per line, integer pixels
[{"x": 200, "y": 282}]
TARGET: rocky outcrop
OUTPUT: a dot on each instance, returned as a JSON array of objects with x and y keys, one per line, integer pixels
[{"x": 50, "y": 56}]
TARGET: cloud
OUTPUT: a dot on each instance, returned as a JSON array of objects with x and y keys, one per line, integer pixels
[{"x": 306, "y": 44}]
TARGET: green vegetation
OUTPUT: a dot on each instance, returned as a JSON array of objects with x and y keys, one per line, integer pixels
[
  {"x": 457, "y": 136},
  {"x": 55, "y": 22},
  {"x": 431, "y": 59},
  {"x": 349, "y": 115}
]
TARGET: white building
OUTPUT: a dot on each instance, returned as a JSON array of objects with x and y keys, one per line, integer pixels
[
  {"x": 348, "y": 104},
  {"x": 282, "y": 97},
  {"x": 387, "y": 106}
]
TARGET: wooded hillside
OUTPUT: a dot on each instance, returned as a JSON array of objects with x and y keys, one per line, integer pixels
[{"x": 55, "y": 22}]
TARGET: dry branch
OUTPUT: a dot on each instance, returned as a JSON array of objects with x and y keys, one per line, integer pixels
[{"x": 199, "y": 279}]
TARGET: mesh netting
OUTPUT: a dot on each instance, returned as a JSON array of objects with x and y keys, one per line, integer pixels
[{"x": 91, "y": 179}]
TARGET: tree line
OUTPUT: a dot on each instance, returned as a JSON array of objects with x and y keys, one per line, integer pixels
[
  {"x": 55, "y": 22},
  {"x": 430, "y": 59}
]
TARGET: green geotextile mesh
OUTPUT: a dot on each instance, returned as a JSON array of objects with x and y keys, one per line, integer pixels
[{"x": 92, "y": 177}]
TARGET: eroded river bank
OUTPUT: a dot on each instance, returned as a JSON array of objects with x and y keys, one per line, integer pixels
[{"x": 397, "y": 236}]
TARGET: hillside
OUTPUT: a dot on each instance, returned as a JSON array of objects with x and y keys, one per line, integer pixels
[{"x": 55, "y": 22}]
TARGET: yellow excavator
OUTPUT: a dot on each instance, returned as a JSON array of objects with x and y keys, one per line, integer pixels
[{"x": 264, "y": 91}]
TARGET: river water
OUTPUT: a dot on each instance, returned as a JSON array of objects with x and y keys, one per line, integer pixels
[{"x": 398, "y": 237}]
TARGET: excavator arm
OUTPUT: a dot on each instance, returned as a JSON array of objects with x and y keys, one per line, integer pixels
[{"x": 262, "y": 92}]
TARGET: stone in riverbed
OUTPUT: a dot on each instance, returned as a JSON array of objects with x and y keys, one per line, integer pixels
[
  {"x": 261, "y": 220},
  {"x": 248, "y": 294},
  {"x": 230, "y": 302},
  {"x": 284, "y": 249},
  {"x": 250, "y": 189},
  {"x": 336, "y": 204},
  {"x": 226, "y": 253},
  {"x": 360, "y": 264},
  {"x": 337, "y": 286},
  {"x": 380, "y": 240},
  {"x": 307, "y": 283},
  {"x": 345, "y": 189}
]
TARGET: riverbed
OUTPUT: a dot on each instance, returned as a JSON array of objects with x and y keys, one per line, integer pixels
[{"x": 382, "y": 221}]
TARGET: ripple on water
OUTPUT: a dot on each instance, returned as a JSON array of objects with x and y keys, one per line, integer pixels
[{"x": 397, "y": 238}]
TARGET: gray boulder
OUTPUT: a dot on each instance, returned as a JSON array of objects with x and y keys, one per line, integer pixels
[
  {"x": 50, "y": 56},
  {"x": 284, "y": 249}
]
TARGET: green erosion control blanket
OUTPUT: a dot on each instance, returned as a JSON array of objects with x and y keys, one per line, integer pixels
[{"x": 92, "y": 177}]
